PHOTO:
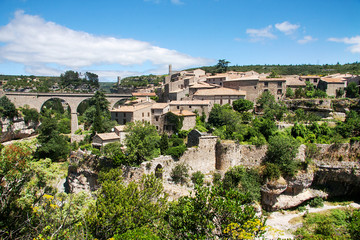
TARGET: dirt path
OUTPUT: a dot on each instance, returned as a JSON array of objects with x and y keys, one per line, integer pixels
[{"x": 282, "y": 229}]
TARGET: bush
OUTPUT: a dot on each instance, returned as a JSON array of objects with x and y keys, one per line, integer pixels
[
  {"x": 177, "y": 151},
  {"x": 216, "y": 178},
  {"x": 272, "y": 171},
  {"x": 197, "y": 178},
  {"x": 179, "y": 173},
  {"x": 353, "y": 225},
  {"x": 316, "y": 202},
  {"x": 244, "y": 180},
  {"x": 282, "y": 152}
]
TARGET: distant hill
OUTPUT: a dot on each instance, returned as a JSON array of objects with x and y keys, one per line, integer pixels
[{"x": 304, "y": 69}]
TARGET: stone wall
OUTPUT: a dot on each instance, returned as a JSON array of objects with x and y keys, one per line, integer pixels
[{"x": 230, "y": 154}]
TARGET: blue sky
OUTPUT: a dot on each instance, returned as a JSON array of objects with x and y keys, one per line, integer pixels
[{"x": 132, "y": 37}]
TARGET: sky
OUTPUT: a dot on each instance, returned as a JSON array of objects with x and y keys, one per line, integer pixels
[{"x": 135, "y": 37}]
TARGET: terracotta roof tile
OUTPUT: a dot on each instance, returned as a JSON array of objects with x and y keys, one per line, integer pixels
[
  {"x": 192, "y": 102},
  {"x": 159, "y": 105},
  {"x": 107, "y": 136},
  {"x": 333, "y": 80},
  {"x": 219, "y": 92},
  {"x": 183, "y": 113}
]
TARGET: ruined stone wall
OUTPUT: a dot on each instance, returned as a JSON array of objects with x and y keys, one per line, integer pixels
[{"x": 230, "y": 154}]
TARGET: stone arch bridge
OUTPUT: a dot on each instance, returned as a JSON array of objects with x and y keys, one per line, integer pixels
[{"x": 37, "y": 100}]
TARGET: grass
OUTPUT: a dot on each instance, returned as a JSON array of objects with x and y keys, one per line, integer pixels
[{"x": 327, "y": 224}]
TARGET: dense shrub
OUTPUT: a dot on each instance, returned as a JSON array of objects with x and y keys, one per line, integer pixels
[
  {"x": 177, "y": 151},
  {"x": 245, "y": 180},
  {"x": 197, "y": 178},
  {"x": 316, "y": 202},
  {"x": 179, "y": 173},
  {"x": 282, "y": 152},
  {"x": 272, "y": 171}
]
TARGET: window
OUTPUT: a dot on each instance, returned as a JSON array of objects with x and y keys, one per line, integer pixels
[
  {"x": 221, "y": 101},
  {"x": 266, "y": 84},
  {"x": 189, "y": 106},
  {"x": 279, "y": 91},
  {"x": 156, "y": 118},
  {"x": 177, "y": 107},
  {"x": 266, "y": 90},
  {"x": 116, "y": 114},
  {"x": 279, "y": 84},
  {"x": 148, "y": 114},
  {"x": 315, "y": 80},
  {"x": 124, "y": 121},
  {"x": 142, "y": 114}
]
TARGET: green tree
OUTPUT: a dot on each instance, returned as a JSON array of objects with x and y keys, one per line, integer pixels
[
  {"x": 164, "y": 143},
  {"x": 221, "y": 66},
  {"x": 7, "y": 108},
  {"x": 121, "y": 207},
  {"x": 115, "y": 153},
  {"x": 210, "y": 213},
  {"x": 52, "y": 144},
  {"x": 352, "y": 90},
  {"x": 142, "y": 142},
  {"x": 243, "y": 105},
  {"x": 30, "y": 115},
  {"x": 247, "y": 181},
  {"x": 282, "y": 151},
  {"x": 14, "y": 174},
  {"x": 92, "y": 78},
  {"x": 289, "y": 92}
]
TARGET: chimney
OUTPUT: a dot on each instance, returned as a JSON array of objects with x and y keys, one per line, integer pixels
[{"x": 170, "y": 69}]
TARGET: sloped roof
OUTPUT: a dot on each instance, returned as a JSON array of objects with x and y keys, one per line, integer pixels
[
  {"x": 295, "y": 82},
  {"x": 131, "y": 108},
  {"x": 143, "y": 94},
  {"x": 184, "y": 113},
  {"x": 333, "y": 80},
  {"x": 107, "y": 136},
  {"x": 190, "y": 102},
  {"x": 159, "y": 105},
  {"x": 219, "y": 92},
  {"x": 244, "y": 78},
  {"x": 272, "y": 79}
]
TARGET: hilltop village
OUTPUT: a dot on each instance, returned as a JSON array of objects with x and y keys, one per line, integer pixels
[
  {"x": 187, "y": 155},
  {"x": 185, "y": 93}
]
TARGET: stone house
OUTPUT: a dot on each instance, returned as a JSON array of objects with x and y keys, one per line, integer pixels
[
  {"x": 158, "y": 111},
  {"x": 294, "y": 82},
  {"x": 219, "y": 95},
  {"x": 201, "y": 106},
  {"x": 314, "y": 79},
  {"x": 248, "y": 84},
  {"x": 200, "y": 85},
  {"x": 137, "y": 112},
  {"x": 276, "y": 86},
  {"x": 330, "y": 85},
  {"x": 189, "y": 120},
  {"x": 218, "y": 79},
  {"x": 101, "y": 139}
]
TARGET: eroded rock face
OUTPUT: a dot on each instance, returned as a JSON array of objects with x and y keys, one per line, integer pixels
[
  {"x": 81, "y": 173},
  {"x": 339, "y": 180},
  {"x": 16, "y": 129}
]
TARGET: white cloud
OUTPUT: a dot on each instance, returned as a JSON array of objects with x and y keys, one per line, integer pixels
[
  {"x": 354, "y": 41},
  {"x": 287, "y": 27},
  {"x": 38, "y": 44},
  {"x": 307, "y": 39},
  {"x": 260, "y": 34}
]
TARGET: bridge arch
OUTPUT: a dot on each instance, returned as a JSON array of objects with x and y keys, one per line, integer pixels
[{"x": 36, "y": 100}]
